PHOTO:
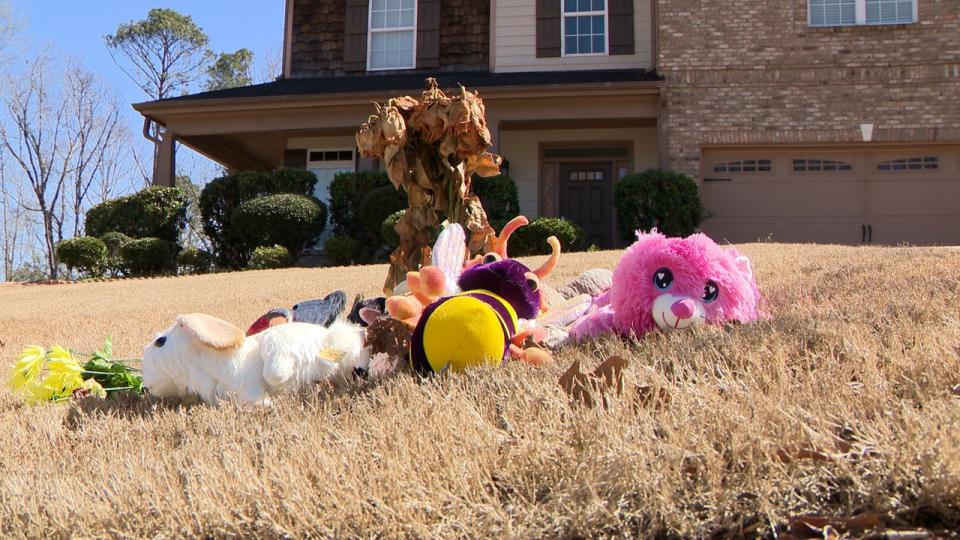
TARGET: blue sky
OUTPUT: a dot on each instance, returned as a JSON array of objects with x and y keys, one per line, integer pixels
[{"x": 78, "y": 26}]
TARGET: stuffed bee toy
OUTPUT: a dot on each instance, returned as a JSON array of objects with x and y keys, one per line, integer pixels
[{"x": 479, "y": 326}]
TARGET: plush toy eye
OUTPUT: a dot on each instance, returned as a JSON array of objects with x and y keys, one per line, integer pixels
[
  {"x": 533, "y": 282},
  {"x": 710, "y": 291},
  {"x": 491, "y": 258},
  {"x": 160, "y": 341},
  {"x": 663, "y": 279}
]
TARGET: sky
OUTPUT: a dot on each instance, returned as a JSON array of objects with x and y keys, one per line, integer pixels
[{"x": 77, "y": 27}]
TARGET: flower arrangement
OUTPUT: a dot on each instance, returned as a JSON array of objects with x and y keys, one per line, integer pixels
[
  {"x": 432, "y": 147},
  {"x": 56, "y": 375}
]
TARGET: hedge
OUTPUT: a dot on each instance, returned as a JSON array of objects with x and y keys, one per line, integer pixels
[
  {"x": 499, "y": 197},
  {"x": 268, "y": 257},
  {"x": 532, "y": 239},
  {"x": 195, "y": 260},
  {"x": 340, "y": 250},
  {"x": 114, "y": 241},
  {"x": 155, "y": 212},
  {"x": 288, "y": 220},
  {"x": 666, "y": 200},
  {"x": 84, "y": 253},
  {"x": 146, "y": 256}
]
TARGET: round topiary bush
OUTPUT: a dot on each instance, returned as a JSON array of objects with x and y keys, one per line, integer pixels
[
  {"x": 84, "y": 253},
  {"x": 155, "y": 212},
  {"x": 377, "y": 206},
  {"x": 269, "y": 257},
  {"x": 340, "y": 250},
  {"x": 195, "y": 261},
  {"x": 499, "y": 197},
  {"x": 388, "y": 233},
  {"x": 532, "y": 239},
  {"x": 114, "y": 241},
  {"x": 288, "y": 220},
  {"x": 669, "y": 201},
  {"x": 146, "y": 256}
]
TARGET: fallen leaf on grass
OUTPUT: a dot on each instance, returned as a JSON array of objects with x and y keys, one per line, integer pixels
[
  {"x": 831, "y": 526},
  {"x": 646, "y": 396},
  {"x": 583, "y": 387}
]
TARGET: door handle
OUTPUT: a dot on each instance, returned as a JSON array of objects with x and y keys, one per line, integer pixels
[
  {"x": 870, "y": 233},
  {"x": 863, "y": 234}
]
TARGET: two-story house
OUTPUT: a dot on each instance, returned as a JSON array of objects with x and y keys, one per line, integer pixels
[{"x": 805, "y": 120}]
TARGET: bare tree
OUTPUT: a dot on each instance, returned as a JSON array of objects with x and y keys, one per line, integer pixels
[
  {"x": 115, "y": 168},
  {"x": 92, "y": 125},
  {"x": 38, "y": 142},
  {"x": 14, "y": 225},
  {"x": 269, "y": 67}
]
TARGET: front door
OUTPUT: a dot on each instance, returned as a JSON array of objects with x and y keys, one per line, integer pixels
[{"x": 586, "y": 198}]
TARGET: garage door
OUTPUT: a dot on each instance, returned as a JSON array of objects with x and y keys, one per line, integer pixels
[{"x": 889, "y": 195}]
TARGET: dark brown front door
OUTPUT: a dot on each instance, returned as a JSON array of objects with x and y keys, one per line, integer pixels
[{"x": 586, "y": 198}]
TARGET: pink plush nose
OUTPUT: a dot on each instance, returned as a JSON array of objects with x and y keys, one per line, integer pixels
[{"x": 683, "y": 309}]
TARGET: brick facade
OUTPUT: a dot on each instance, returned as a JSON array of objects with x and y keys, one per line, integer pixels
[
  {"x": 754, "y": 72},
  {"x": 318, "y": 29}
]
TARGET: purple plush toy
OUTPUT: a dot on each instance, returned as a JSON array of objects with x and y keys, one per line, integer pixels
[{"x": 673, "y": 283}]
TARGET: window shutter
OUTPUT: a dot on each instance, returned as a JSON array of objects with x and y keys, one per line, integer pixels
[
  {"x": 295, "y": 159},
  {"x": 355, "y": 35},
  {"x": 621, "y": 27},
  {"x": 548, "y": 28},
  {"x": 428, "y": 34}
]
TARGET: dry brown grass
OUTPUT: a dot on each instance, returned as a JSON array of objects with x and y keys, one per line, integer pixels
[{"x": 840, "y": 404}]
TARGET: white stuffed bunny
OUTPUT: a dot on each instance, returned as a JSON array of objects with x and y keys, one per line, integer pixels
[{"x": 211, "y": 358}]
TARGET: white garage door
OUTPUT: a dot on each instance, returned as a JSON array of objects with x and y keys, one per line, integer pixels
[{"x": 888, "y": 195}]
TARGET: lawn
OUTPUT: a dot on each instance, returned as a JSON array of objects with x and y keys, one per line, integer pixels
[{"x": 841, "y": 404}]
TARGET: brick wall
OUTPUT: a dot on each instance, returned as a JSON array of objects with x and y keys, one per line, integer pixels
[
  {"x": 318, "y": 28},
  {"x": 753, "y": 71}
]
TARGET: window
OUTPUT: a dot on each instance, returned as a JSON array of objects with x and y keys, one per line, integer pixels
[
  {"x": 820, "y": 165},
  {"x": 392, "y": 34},
  {"x": 745, "y": 166},
  {"x": 584, "y": 27},
  {"x": 928, "y": 163},
  {"x": 854, "y": 12}
]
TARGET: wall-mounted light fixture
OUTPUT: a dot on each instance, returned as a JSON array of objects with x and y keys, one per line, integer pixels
[{"x": 867, "y": 131}]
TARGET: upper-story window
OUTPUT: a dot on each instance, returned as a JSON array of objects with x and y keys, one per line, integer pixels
[
  {"x": 854, "y": 12},
  {"x": 584, "y": 27},
  {"x": 392, "y": 35}
]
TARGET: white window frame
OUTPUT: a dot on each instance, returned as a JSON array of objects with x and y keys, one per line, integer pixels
[
  {"x": 861, "y": 19},
  {"x": 371, "y": 30},
  {"x": 606, "y": 29}
]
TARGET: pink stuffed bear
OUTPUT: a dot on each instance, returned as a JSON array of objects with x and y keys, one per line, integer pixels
[{"x": 673, "y": 283}]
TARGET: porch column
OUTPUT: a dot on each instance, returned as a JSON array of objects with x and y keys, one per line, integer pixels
[{"x": 164, "y": 161}]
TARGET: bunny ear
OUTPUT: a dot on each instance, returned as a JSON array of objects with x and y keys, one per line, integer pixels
[
  {"x": 449, "y": 253},
  {"x": 211, "y": 331},
  {"x": 743, "y": 265}
]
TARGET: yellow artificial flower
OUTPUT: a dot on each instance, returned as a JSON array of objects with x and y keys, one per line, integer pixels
[
  {"x": 38, "y": 392},
  {"x": 61, "y": 361},
  {"x": 27, "y": 368},
  {"x": 95, "y": 389}
]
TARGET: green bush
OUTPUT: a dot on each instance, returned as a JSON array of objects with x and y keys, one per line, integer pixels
[
  {"x": 377, "y": 206},
  {"x": 499, "y": 197},
  {"x": 155, "y": 212},
  {"x": 195, "y": 261},
  {"x": 268, "y": 257},
  {"x": 340, "y": 250},
  {"x": 388, "y": 233},
  {"x": 532, "y": 239},
  {"x": 84, "y": 253},
  {"x": 347, "y": 191},
  {"x": 146, "y": 256},
  {"x": 669, "y": 201},
  {"x": 114, "y": 241},
  {"x": 288, "y": 220},
  {"x": 220, "y": 198}
]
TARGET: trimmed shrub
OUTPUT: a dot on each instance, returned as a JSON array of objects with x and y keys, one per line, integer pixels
[
  {"x": 347, "y": 191},
  {"x": 377, "y": 206},
  {"x": 387, "y": 231},
  {"x": 146, "y": 256},
  {"x": 114, "y": 241},
  {"x": 499, "y": 197},
  {"x": 195, "y": 260},
  {"x": 84, "y": 253},
  {"x": 155, "y": 212},
  {"x": 532, "y": 239},
  {"x": 340, "y": 250},
  {"x": 288, "y": 220},
  {"x": 220, "y": 198},
  {"x": 268, "y": 257},
  {"x": 669, "y": 201}
]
